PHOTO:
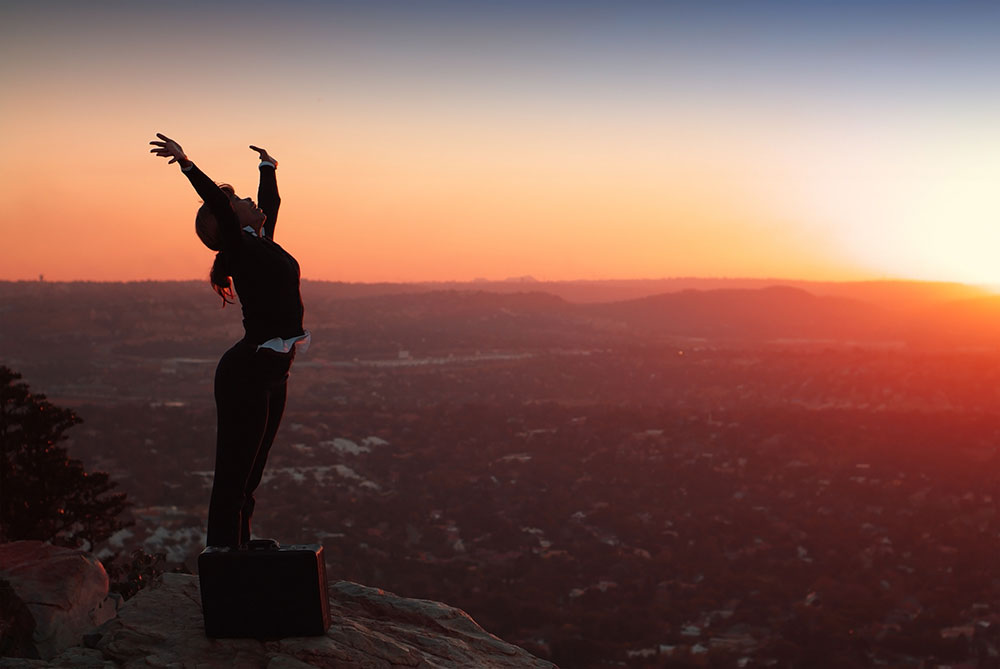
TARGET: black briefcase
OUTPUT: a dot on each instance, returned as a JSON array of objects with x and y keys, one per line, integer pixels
[{"x": 265, "y": 591}]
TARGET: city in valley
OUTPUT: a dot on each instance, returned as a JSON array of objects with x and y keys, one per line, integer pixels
[{"x": 643, "y": 474}]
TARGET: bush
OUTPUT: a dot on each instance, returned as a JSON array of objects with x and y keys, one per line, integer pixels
[{"x": 44, "y": 494}]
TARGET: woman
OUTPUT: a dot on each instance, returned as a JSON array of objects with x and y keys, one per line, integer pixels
[{"x": 251, "y": 379}]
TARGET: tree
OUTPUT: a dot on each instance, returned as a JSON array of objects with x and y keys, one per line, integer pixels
[{"x": 44, "y": 494}]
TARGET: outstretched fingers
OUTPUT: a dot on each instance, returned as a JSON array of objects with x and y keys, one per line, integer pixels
[
  {"x": 163, "y": 152},
  {"x": 167, "y": 148},
  {"x": 162, "y": 144},
  {"x": 264, "y": 155}
]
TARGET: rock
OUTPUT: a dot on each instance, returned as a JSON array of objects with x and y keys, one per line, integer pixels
[
  {"x": 71, "y": 658},
  {"x": 64, "y": 590},
  {"x": 17, "y": 625},
  {"x": 162, "y": 627}
]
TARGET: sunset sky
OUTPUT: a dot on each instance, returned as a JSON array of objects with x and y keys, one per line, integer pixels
[{"x": 456, "y": 140}]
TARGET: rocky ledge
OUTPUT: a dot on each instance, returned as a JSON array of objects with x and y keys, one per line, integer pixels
[{"x": 162, "y": 627}]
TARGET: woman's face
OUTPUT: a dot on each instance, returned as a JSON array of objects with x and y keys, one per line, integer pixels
[{"x": 247, "y": 212}]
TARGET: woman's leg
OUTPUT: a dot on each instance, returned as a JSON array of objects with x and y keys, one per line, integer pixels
[
  {"x": 241, "y": 402},
  {"x": 275, "y": 409}
]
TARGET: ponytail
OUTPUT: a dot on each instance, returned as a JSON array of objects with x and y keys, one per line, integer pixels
[
  {"x": 221, "y": 280},
  {"x": 207, "y": 228}
]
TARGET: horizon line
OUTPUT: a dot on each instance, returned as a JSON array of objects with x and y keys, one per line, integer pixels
[{"x": 528, "y": 280}]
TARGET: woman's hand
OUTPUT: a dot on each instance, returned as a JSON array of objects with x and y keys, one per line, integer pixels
[
  {"x": 168, "y": 148},
  {"x": 264, "y": 155}
]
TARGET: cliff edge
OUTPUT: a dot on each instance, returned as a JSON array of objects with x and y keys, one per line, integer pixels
[{"x": 162, "y": 627}]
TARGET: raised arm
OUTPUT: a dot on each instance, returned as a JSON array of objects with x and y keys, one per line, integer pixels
[
  {"x": 217, "y": 200},
  {"x": 267, "y": 192}
]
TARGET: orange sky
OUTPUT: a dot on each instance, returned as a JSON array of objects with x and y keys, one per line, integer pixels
[{"x": 463, "y": 144}]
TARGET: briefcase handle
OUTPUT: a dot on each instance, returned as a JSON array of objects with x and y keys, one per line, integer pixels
[{"x": 261, "y": 545}]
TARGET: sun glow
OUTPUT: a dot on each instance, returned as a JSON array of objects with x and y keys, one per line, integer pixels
[{"x": 940, "y": 225}]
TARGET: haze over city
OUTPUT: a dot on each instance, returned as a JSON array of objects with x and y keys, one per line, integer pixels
[{"x": 440, "y": 141}]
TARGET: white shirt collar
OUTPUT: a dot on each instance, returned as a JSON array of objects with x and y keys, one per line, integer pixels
[{"x": 247, "y": 228}]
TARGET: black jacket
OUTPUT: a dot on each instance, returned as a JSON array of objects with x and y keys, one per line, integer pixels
[{"x": 265, "y": 276}]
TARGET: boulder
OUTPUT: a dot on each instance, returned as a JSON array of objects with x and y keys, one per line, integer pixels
[
  {"x": 64, "y": 591},
  {"x": 162, "y": 627}
]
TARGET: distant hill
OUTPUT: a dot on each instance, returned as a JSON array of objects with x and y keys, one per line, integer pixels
[
  {"x": 775, "y": 312},
  {"x": 889, "y": 294},
  {"x": 185, "y": 319}
]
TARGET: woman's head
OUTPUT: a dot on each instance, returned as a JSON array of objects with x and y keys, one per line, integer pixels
[{"x": 247, "y": 213}]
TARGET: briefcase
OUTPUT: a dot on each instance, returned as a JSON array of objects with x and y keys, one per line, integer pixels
[{"x": 264, "y": 591}]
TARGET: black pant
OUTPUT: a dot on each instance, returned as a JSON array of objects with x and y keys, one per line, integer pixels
[{"x": 250, "y": 389}]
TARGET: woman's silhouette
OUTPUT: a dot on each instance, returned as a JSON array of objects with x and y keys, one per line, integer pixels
[{"x": 251, "y": 379}]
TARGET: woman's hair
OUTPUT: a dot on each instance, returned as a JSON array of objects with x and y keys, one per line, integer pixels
[
  {"x": 221, "y": 279},
  {"x": 207, "y": 228}
]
